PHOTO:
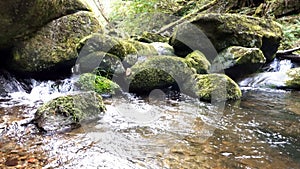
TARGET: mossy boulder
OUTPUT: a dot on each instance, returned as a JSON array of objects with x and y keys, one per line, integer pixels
[
  {"x": 53, "y": 47},
  {"x": 158, "y": 72},
  {"x": 128, "y": 51},
  {"x": 20, "y": 19},
  {"x": 225, "y": 30},
  {"x": 239, "y": 61},
  {"x": 101, "y": 42},
  {"x": 215, "y": 87},
  {"x": 198, "y": 61},
  {"x": 99, "y": 84},
  {"x": 67, "y": 112},
  {"x": 102, "y": 63}
]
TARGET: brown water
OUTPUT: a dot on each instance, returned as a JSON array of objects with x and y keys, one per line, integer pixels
[{"x": 260, "y": 131}]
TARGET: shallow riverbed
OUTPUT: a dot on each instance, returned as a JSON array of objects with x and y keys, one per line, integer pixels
[{"x": 260, "y": 131}]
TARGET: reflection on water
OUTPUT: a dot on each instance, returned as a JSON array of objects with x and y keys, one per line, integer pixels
[{"x": 260, "y": 131}]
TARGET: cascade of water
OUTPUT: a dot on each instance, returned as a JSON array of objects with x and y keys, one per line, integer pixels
[
  {"x": 41, "y": 91},
  {"x": 274, "y": 77},
  {"x": 279, "y": 65}
]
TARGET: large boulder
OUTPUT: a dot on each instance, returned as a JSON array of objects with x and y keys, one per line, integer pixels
[
  {"x": 225, "y": 30},
  {"x": 67, "y": 112},
  {"x": 53, "y": 48},
  {"x": 100, "y": 42},
  {"x": 215, "y": 87},
  {"x": 239, "y": 61},
  {"x": 158, "y": 72},
  {"x": 19, "y": 19}
]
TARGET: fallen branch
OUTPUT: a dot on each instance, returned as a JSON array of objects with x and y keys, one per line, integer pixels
[
  {"x": 292, "y": 57},
  {"x": 286, "y": 52},
  {"x": 186, "y": 17}
]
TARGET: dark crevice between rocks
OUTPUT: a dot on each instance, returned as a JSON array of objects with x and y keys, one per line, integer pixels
[
  {"x": 269, "y": 48},
  {"x": 295, "y": 12},
  {"x": 235, "y": 72},
  {"x": 58, "y": 72}
]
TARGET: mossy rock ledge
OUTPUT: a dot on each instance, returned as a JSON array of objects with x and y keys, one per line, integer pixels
[
  {"x": 53, "y": 47},
  {"x": 225, "y": 30},
  {"x": 67, "y": 112}
]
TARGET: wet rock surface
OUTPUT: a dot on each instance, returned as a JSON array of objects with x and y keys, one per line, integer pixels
[
  {"x": 53, "y": 48},
  {"x": 66, "y": 112},
  {"x": 19, "y": 19}
]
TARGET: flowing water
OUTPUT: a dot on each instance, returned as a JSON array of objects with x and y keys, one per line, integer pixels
[{"x": 262, "y": 130}]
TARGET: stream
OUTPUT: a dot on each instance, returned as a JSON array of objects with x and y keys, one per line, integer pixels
[{"x": 262, "y": 130}]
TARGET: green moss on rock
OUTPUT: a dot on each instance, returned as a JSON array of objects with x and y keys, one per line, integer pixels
[
  {"x": 99, "y": 84},
  {"x": 198, "y": 61},
  {"x": 68, "y": 111},
  {"x": 101, "y": 42},
  {"x": 216, "y": 87},
  {"x": 54, "y": 44}
]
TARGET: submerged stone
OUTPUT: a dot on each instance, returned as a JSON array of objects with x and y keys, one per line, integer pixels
[{"x": 66, "y": 112}]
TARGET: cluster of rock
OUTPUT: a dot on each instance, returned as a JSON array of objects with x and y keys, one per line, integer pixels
[{"x": 201, "y": 59}]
